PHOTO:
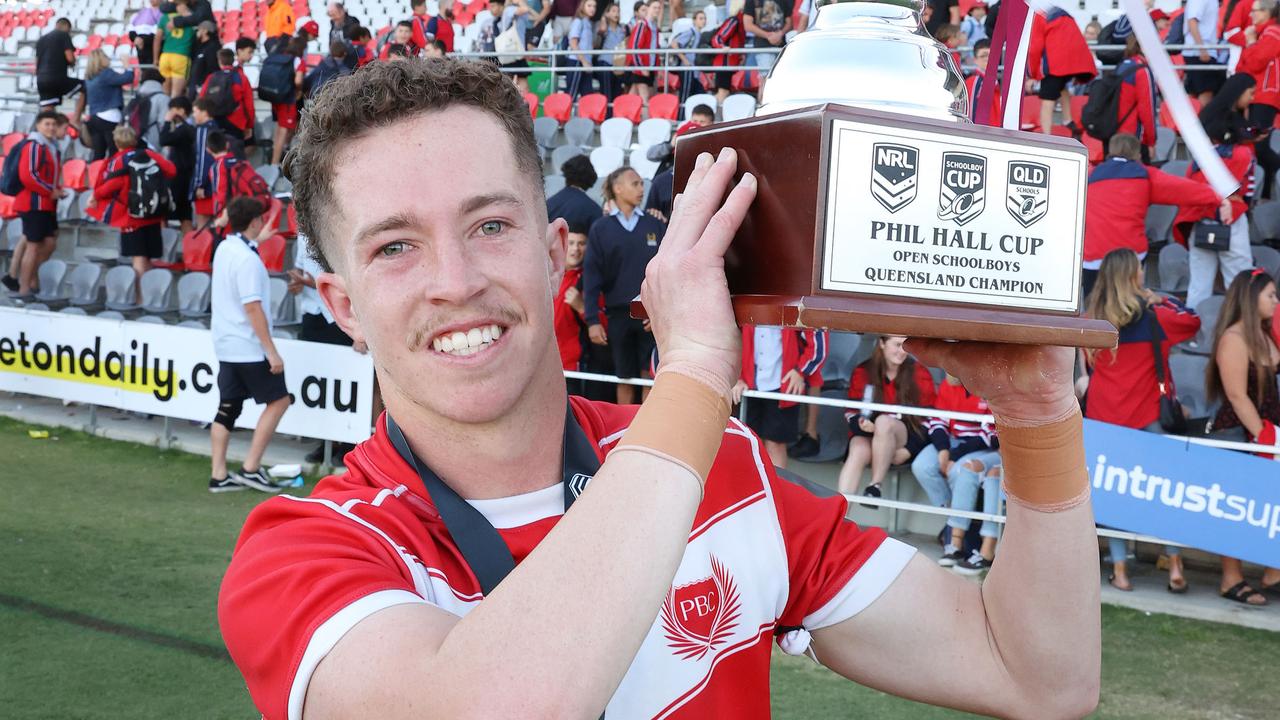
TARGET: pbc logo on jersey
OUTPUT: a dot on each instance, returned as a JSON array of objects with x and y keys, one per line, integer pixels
[
  {"x": 893, "y": 175},
  {"x": 698, "y": 617},
  {"x": 964, "y": 181},
  {"x": 1028, "y": 199}
]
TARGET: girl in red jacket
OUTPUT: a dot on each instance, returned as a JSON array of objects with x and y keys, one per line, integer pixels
[
  {"x": 1123, "y": 388},
  {"x": 1261, "y": 60},
  {"x": 140, "y": 238},
  {"x": 891, "y": 377},
  {"x": 1057, "y": 54}
]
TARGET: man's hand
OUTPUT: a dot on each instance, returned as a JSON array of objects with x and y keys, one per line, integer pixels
[
  {"x": 597, "y": 334},
  {"x": 685, "y": 292},
  {"x": 793, "y": 383},
  {"x": 276, "y": 363},
  {"x": 945, "y": 462},
  {"x": 221, "y": 220},
  {"x": 1023, "y": 384},
  {"x": 738, "y": 388},
  {"x": 1204, "y": 56}
]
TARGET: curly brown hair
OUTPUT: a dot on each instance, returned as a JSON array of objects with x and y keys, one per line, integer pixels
[{"x": 381, "y": 94}]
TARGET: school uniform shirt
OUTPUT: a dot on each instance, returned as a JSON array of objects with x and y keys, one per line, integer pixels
[
  {"x": 860, "y": 388},
  {"x": 764, "y": 555},
  {"x": 1206, "y": 12},
  {"x": 1240, "y": 160},
  {"x": 308, "y": 300},
  {"x": 239, "y": 277},
  {"x": 618, "y": 251},
  {"x": 1137, "y": 100},
  {"x": 113, "y": 194},
  {"x": 785, "y": 349},
  {"x": 575, "y": 206},
  {"x": 432, "y": 27},
  {"x": 243, "y": 116},
  {"x": 39, "y": 170},
  {"x": 1058, "y": 48},
  {"x": 1120, "y": 193},
  {"x": 960, "y": 437},
  {"x": 643, "y": 37},
  {"x": 1123, "y": 389},
  {"x": 1262, "y": 61}
]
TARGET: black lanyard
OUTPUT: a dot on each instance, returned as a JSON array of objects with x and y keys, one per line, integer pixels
[{"x": 481, "y": 546}]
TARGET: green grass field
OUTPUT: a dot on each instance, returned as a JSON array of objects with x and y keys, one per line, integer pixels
[{"x": 111, "y": 554}]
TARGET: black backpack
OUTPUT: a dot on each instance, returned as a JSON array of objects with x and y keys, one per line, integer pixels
[
  {"x": 327, "y": 70},
  {"x": 10, "y": 176},
  {"x": 275, "y": 81},
  {"x": 137, "y": 114},
  {"x": 1101, "y": 113},
  {"x": 220, "y": 92},
  {"x": 149, "y": 195}
]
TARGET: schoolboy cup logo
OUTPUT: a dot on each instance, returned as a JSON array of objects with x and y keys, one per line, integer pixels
[
  {"x": 893, "y": 175},
  {"x": 698, "y": 617},
  {"x": 963, "y": 195},
  {"x": 1028, "y": 198}
]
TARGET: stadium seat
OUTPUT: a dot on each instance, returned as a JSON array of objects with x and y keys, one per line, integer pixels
[
  {"x": 1266, "y": 218},
  {"x": 155, "y": 285},
  {"x": 557, "y": 106},
  {"x": 193, "y": 324},
  {"x": 1061, "y": 131},
  {"x": 532, "y": 101},
  {"x": 51, "y": 273},
  {"x": 10, "y": 141},
  {"x": 37, "y": 306},
  {"x": 1188, "y": 376},
  {"x": 738, "y": 107},
  {"x": 281, "y": 303},
  {"x": 561, "y": 154},
  {"x": 1268, "y": 259},
  {"x": 629, "y": 106},
  {"x": 1209, "y": 309},
  {"x": 110, "y": 315},
  {"x": 616, "y": 132},
  {"x": 269, "y": 174},
  {"x": 1096, "y": 152},
  {"x": 93, "y": 171},
  {"x": 290, "y": 229},
  {"x": 643, "y": 165},
  {"x": 694, "y": 101},
  {"x": 1176, "y": 167},
  {"x": 578, "y": 132},
  {"x": 151, "y": 320},
  {"x": 606, "y": 159},
  {"x": 1160, "y": 223},
  {"x": 653, "y": 131},
  {"x": 1030, "y": 118},
  {"x": 74, "y": 175},
  {"x": 271, "y": 251},
  {"x": 1166, "y": 143},
  {"x": 69, "y": 310},
  {"x": 120, "y": 282},
  {"x": 83, "y": 284},
  {"x": 552, "y": 184},
  {"x": 193, "y": 295},
  {"x": 593, "y": 107},
  {"x": 1077, "y": 107},
  {"x": 197, "y": 251},
  {"x": 544, "y": 131},
  {"x": 1174, "y": 268}
]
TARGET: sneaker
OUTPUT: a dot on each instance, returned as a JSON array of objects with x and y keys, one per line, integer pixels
[
  {"x": 975, "y": 564},
  {"x": 257, "y": 480},
  {"x": 10, "y": 282},
  {"x": 872, "y": 490},
  {"x": 951, "y": 556},
  {"x": 226, "y": 484},
  {"x": 806, "y": 446},
  {"x": 316, "y": 455}
]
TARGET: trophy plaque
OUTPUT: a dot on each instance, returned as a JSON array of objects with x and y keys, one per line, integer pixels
[{"x": 881, "y": 208}]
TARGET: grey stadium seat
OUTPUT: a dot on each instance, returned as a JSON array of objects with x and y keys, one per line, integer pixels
[
  {"x": 73, "y": 311},
  {"x": 1166, "y": 142},
  {"x": 578, "y": 131},
  {"x": 544, "y": 131},
  {"x": 1160, "y": 223},
  {"x": 83, "y": 284},
  {"x": 193, "y": 324},
  {"x": 1176, "y": 167},
  {"x": 1268, "y": 259},
  {"x": 1175, "y": 268},
  {"x": 155, "y": 284},
  {"x": 561, "y": 155},
  {"x": 193, "y": 295},
  {"x": 110, "y": 315},
  {"x": 1188, "y": 378},
  {"x": 1208, "y": 310},
  {"x": 283, "y": 309},
  {"x": 1266, "y": 218},
  {"x": 120, "y": 282},
  {"x": 51, "y": 273},
  {"x": 151, "y": 320}
]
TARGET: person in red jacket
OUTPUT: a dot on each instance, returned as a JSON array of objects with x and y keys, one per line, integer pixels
[
  {"x": 776, "y": 360},
  {"x": 973, "y": 83},
  {"x": 732, "y": 33},
  {"x": 1137, "y": 109},
  {"x": 140, "y": 238},
  {"x": 40, "y": 171},
  {"x": 891, "y": 377},
  {"x": 1057, "y": 54},
  {"x": 567, "y": 305},
  {"x": 1123, "y": 385},
  {"x": 1261, "y": 59},
  {"x": 239, "y": 122},
  {"x": 644, "y": 36},
  {"x": 1121, "y": 190},
  {"x": 427, "y": 28}
]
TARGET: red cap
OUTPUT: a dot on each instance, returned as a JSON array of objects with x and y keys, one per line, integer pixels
[
  {"x": 1159, "y": 14},
  {"x": 311, "y": 28}
]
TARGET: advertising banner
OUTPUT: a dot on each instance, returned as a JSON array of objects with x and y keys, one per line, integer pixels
[{"x": 171, "y": 371}]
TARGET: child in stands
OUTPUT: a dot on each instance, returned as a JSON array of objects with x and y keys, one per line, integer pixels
[
  {"x": 180, "y": 137},
  {"x": 230, "y": 99},
  {"x": 201, "y": 191}
]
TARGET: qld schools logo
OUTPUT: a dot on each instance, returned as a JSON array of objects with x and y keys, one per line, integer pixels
[
  {"x": 893, "y": 175},
  {"x": 964, "y": 181},
  {"x": 1028, "y": 199}
]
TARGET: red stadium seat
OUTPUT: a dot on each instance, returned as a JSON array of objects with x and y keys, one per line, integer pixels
[
  {"x": 532, "y": 101},
  {"x": 1096, "y": 152},
  {"x": 1030, "y": 113},
  {"x": 74, "y": 174},
  {"x": 197, "y": 250},
  {"x": 593, "y": 107},
  {"x": 271, "y": 251},
  {"x": 10, "y": 141},
  {"x": 7, "y": 205},
  {"x": 1061, "y": 131},
  {"x": 628, "y": 106},
  {"x": 93, "y": 171},
  {"x": 663, "y": 106},
  {"x": 558, "y": 105},
  {"x": 274, "y": 211},
  {"x": 291, "y": 222}
]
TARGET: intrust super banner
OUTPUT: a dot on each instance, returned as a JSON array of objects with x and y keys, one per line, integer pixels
[
  {"x": 171, "y": 371},
  {"x": 1217, "y": 500}
]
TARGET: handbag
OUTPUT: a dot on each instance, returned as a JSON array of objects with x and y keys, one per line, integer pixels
[
  {"x": 509, "y": 45},
  {"x": 1172, "y": 419},
  {"x": 1211, "y": 235}
]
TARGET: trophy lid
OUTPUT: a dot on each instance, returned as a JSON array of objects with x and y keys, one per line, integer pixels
[{"x": 871, "y": 54}]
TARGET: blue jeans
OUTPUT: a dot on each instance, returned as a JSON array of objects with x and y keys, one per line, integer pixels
[
  {"x": 958, "y": 489},
  {"x": 1120, "y": 550}
]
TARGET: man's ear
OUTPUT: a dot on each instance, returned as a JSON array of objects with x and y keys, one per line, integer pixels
[
  {"x": 333, "y": 291},
  {"x": 557, "y": 248}
]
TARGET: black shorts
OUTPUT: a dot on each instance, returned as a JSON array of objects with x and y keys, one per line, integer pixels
[
  {"x": 724, "y": 79},
  {"x": 630, "y": 345},
  {"x": 316, "y": 329},
  {"x": 241, "y": 381},
  {"x": 145, "y": 242},
  {"x": 771, "y": 422},
  {"x": 1051, "y": 86},
  {"x": 179, "y": 187},
  {"x": 1203, "y": 81},
  {"x": 636, "y": 78},
  {"x": 53, "y": 89},
  {"x": 39, "y": 225},
  {"x": 916, "y": 439},
  {"x": 515, "y": 66}
]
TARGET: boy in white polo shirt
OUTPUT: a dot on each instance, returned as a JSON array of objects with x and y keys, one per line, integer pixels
[{"x": 248, "y": 364}]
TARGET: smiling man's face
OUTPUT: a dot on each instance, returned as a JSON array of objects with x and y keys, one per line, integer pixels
[{"x": 444, "y": 263}]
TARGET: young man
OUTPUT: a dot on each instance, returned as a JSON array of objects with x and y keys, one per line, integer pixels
[
  {"x": 180, "y": 137},
  {"x": 429, "y": 28},
  {"x": 573, "y": 203},
  {"x": 401, "y": 44},
  {"x": 230, "y": 97},
  {"x": 40, "y": 170},
  {"x": 702, "y": 116},
  {"x": 229, "y": 176},
  {"x": 173, "y": 49},
  {"x": 644, "y": 596},
  {"x": 55, "y": 56},
  {"x": 201, "y": 192},
  {"x": 769, "y": 21},
  {"x": 248, "y": 364},
  {"x": 618, "y": 249},
  {"x": 286, "y": 113}
]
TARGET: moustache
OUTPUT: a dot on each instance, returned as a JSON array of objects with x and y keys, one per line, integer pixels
[{"x": 504, "y": 316}]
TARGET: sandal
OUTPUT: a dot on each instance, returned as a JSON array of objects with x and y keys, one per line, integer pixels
[
  {"x": 1112, "y": 579},
  {"x": 1242, "y": 593},
  {"x": 1178, "y": 589},
  {"x": 1272, "y": 589}
]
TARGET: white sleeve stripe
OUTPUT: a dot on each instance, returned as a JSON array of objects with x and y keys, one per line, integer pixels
[
  {"x": 868, "y": 583},
  {"x": 331, "y": 631}
]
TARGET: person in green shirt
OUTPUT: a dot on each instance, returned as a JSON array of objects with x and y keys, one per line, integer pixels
[{"x": 173, "y": 49}]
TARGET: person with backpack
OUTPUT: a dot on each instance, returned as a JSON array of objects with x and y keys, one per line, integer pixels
[
  {"x": 179, "y": 136},
  {"x": 332, "y": 67},
  {"x": 1056, "y": 55},
  {"x": 145, "y": 112},
  {"x": 731, "y": 34},
  {"x": 279, "y": 83},
  {"x": 434, "y": 27},
  {"x": 32, "y": 175},
  {"x": 104, "y": 87},
  {"x": 1260, "y": 58},
  {"x": 134, "y": 193},
  {"x": 1124, "y": 101},
  {"x": 230, "y": 99},
  {"x": 231, "y": 177}
]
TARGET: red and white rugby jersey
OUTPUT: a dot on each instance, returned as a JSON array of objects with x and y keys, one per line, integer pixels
[{"x": 763, "y": 553}]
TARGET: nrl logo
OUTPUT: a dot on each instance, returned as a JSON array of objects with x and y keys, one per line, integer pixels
[
  {"x": 698, "y": 617},
  {"x": 1028, "y": 199},
  {"x": 964, "y": 180},
  {"x": 893, "y": 175}
]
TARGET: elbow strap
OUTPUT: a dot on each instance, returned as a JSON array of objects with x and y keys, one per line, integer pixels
[
  {"x": 1044, "y": 467},
  {"x": 682, "y": 420}
]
